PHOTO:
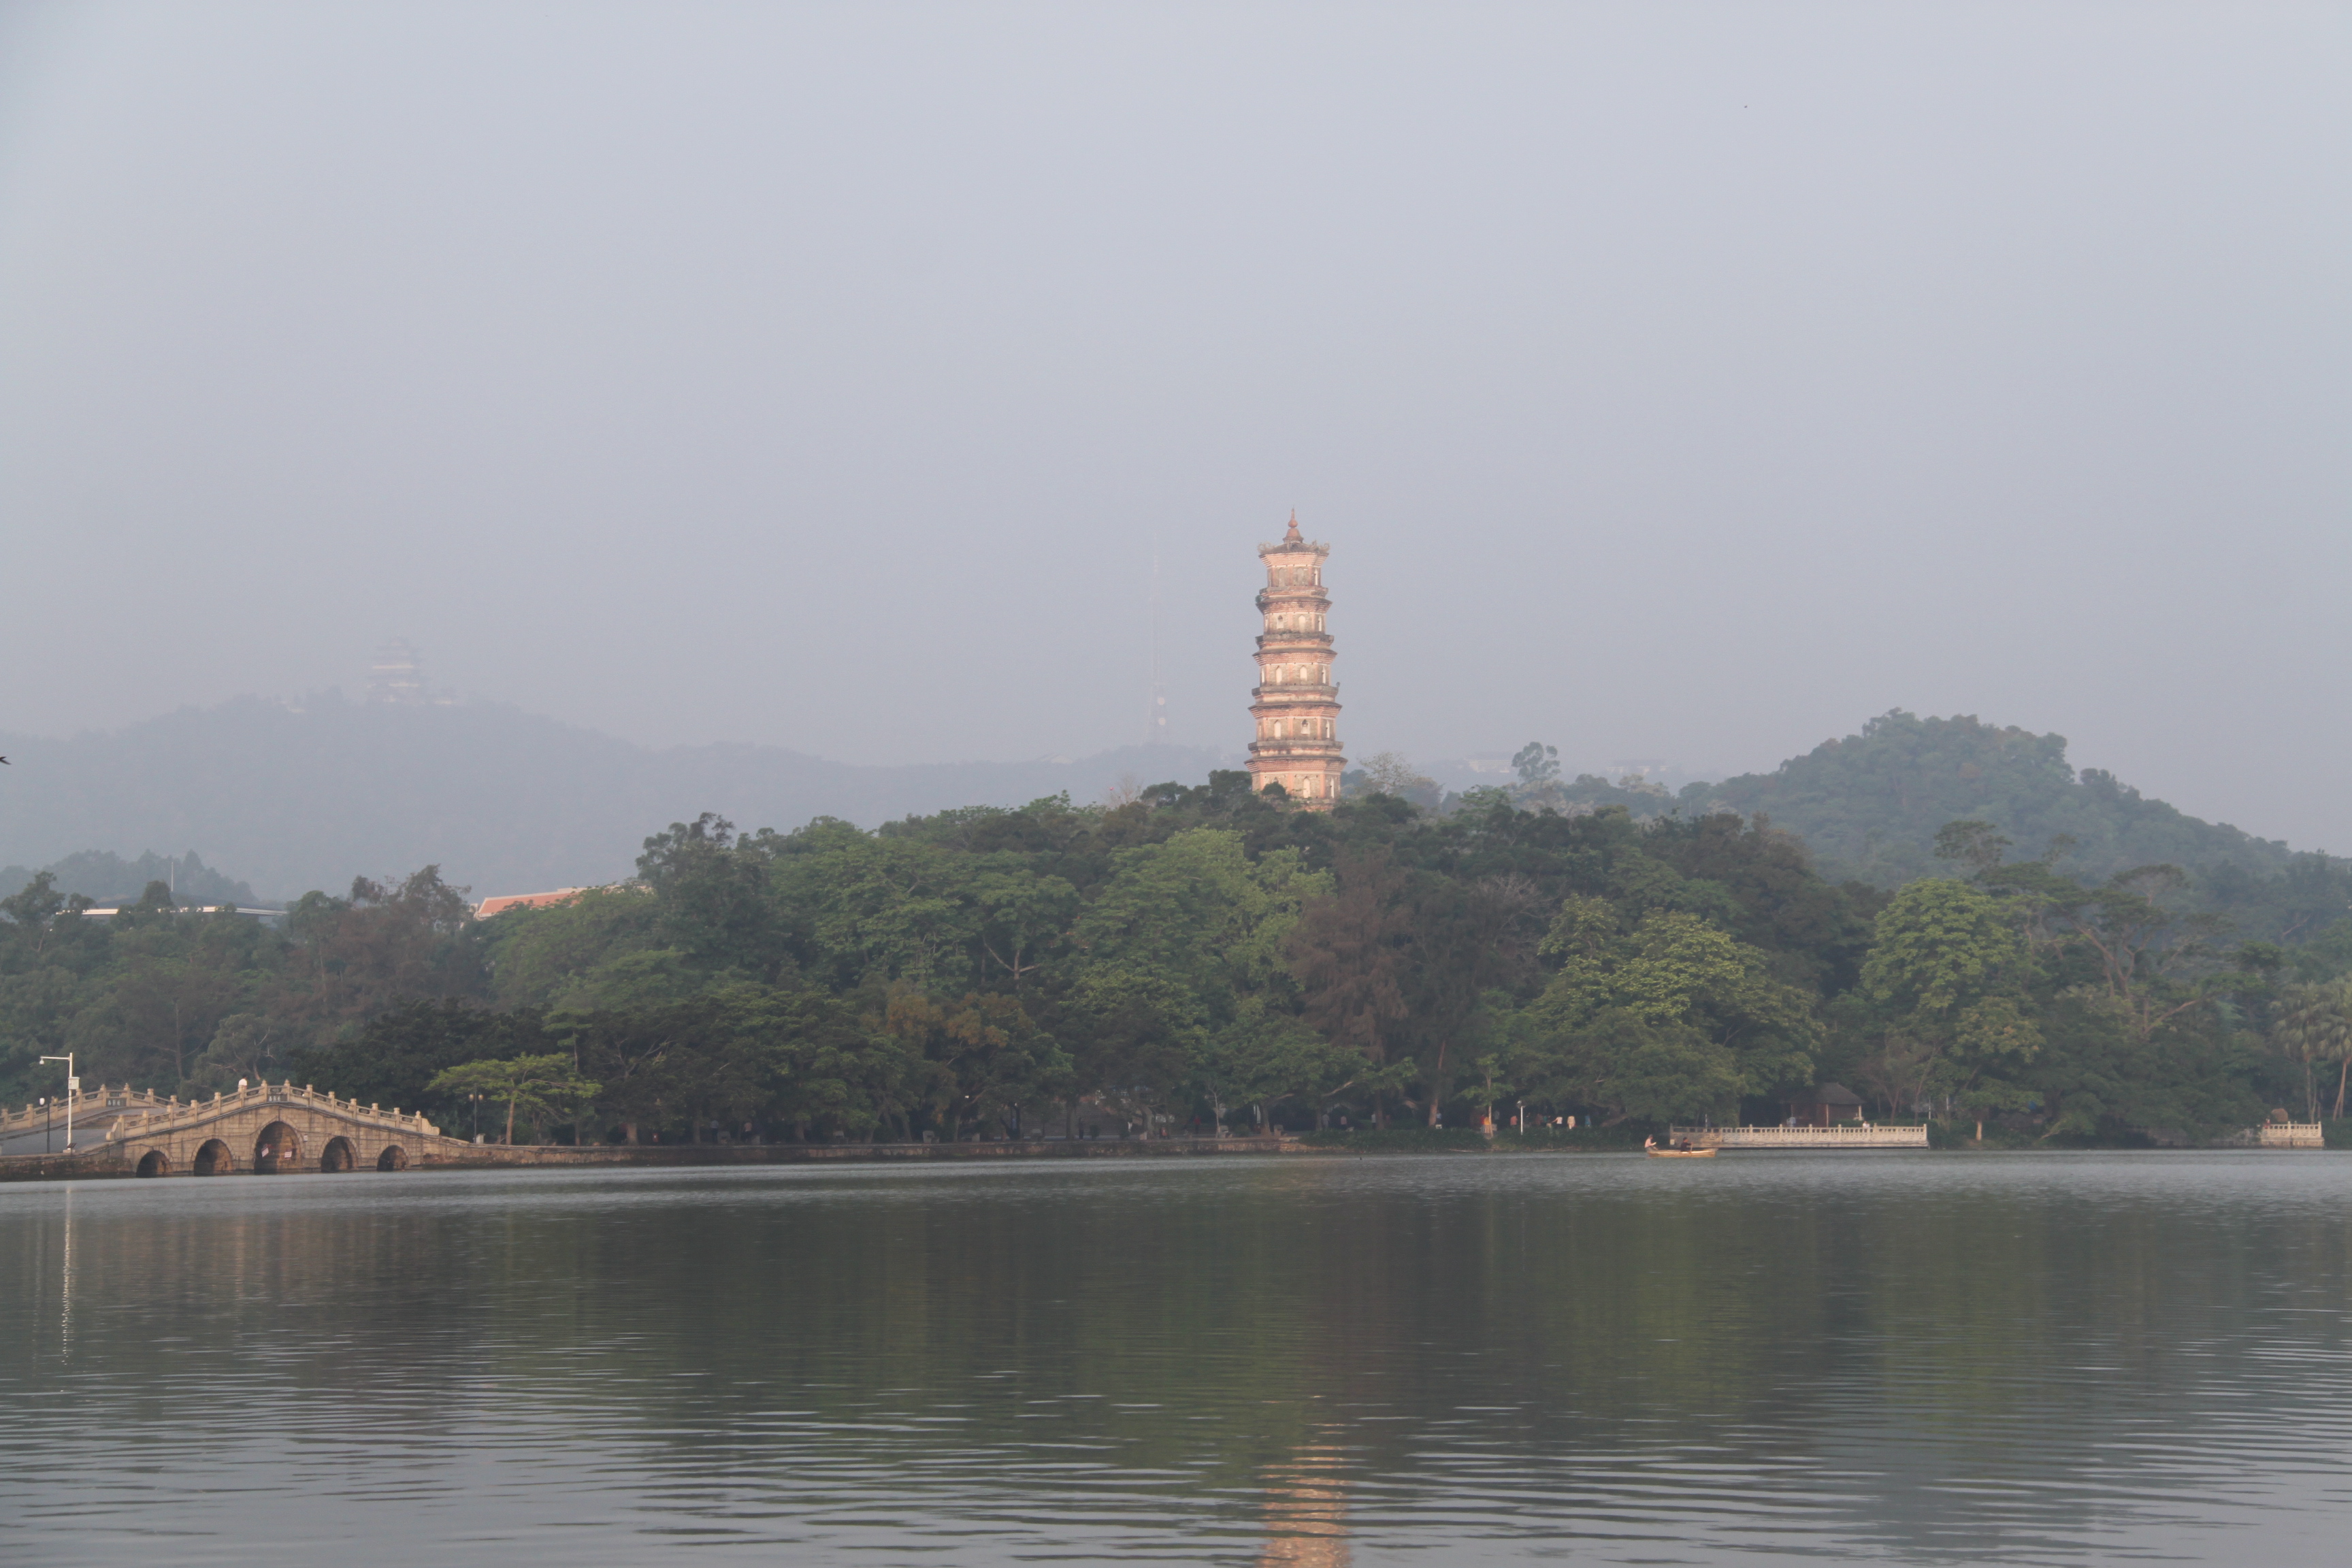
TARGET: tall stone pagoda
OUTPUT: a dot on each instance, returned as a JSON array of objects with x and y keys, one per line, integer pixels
[{"x": 1296, "y": 706}]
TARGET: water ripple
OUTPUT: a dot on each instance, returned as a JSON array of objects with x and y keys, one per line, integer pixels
[{"x": 2032, "y": 1360}]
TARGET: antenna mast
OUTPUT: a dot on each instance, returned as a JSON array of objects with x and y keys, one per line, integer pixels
[{"x": 1156, "y": 722}]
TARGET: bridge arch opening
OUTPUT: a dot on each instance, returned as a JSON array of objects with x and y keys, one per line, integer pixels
[
  {"x": 214, "y": 1159},
  {"x": 338, "y": 1155},
  {"x": 278, "y": 1149},
  {"x": 154, "y": 1162},
  {"x": 393, "y": 1158}
]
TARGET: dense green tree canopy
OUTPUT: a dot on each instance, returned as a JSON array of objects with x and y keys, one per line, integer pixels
[{"x": 1201, "y": 956}]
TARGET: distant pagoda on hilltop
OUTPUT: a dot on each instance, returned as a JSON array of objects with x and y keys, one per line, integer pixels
[
  {"x": 1296, "y": 706},
  {"x": 397, "y": 679}
]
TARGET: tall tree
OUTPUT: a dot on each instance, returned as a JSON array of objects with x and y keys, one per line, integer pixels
[
  {"x": 532, "y": 1085},
  {"x": 1348, "y": 954},
  {"x": 1669, "y": 1017},
  {"x": 1947, "y": 973}
]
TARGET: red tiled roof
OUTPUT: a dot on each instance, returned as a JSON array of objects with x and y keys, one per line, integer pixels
[{"x": 489, "y": 907}]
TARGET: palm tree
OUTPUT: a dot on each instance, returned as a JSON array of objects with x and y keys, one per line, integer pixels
[{"x": 2316, "y": 1025}]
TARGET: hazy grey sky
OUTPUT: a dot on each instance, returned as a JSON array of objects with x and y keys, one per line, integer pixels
[{"x": 1671, "y": 381}]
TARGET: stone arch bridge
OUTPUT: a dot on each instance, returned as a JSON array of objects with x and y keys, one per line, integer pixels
[{"x": 263, "y": 1130}]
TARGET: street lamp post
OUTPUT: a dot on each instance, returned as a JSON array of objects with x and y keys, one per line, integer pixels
[{"x": 73, "y": 1088}]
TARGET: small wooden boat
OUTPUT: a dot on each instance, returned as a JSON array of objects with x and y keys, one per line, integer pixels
[{"x": 1681, "y": 1154}]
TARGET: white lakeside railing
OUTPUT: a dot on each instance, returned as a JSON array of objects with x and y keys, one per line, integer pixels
[{"x": 1801, "y": 1137}]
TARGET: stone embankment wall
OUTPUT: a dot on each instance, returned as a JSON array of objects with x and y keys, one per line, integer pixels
[
  {"x": 459, "y": 1155},
  {"x": 438, "y": 1153}
]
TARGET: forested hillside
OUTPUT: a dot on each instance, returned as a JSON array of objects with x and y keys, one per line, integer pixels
[
  {"x": 1870, "y": 804},
  {"x": 1203, "y": 955},
  {"x": 1869, "y": 807}
]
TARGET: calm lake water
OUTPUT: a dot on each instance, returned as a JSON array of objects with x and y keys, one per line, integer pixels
[{"x": 1594, "y": 1358}]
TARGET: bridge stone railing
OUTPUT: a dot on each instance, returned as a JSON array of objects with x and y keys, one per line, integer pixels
[
  {"x": 93, "y": 1103},
  {"x": 124, "y": 1111}
]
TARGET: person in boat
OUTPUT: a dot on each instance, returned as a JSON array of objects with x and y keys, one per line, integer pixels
[
  {"x": 1648, "y": 1142},
  {"x": 1685, "y": 1145}
]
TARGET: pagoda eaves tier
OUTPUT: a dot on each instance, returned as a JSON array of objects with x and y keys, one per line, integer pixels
[{"x": 1296, "y": 704}]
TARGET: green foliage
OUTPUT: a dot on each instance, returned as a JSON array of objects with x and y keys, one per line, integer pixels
[
  {"x": 539, "y": 954},
  {"x": 1871, "y": 806},
  {"x": 394, "y": 1058},
  {"x": 1668, "y": 1018},
  {"x": 1208, "y": 955},
  {"x": 533, "y": 1086},
  {"x": 2314, "y": 1027},
  {"x": 2073, "y": 1013},
  {"x": 1942, "y": 948}
]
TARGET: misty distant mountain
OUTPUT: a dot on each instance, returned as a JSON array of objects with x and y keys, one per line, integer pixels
[
  {"x": 110, "y": 879},
  {"x": 504, "y": 801}
]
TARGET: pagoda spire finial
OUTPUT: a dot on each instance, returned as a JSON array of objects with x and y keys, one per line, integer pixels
[{"x": 1293, "y": 534}]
